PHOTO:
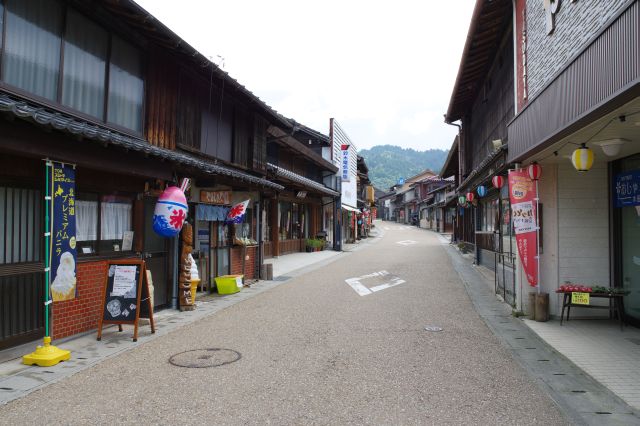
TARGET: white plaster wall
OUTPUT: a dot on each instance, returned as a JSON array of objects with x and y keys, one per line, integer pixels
[
  {"x": 583, "y": 229},
  {"x": 548, "y": 190}
]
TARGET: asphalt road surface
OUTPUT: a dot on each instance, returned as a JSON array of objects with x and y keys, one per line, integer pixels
[{"x": 343, "y": 344}]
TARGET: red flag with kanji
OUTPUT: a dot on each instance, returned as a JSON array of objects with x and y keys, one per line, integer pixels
[
  {"x": 237, "y": 212},
  {"x": 522, "y": 193}
]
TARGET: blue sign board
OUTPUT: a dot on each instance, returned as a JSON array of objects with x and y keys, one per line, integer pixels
[
  {"x": 63, "y": 232},
  {"x": 626, "y": 191}
]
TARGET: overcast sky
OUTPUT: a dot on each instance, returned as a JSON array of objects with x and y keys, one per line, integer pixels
[{"x": 384, "y": 69}]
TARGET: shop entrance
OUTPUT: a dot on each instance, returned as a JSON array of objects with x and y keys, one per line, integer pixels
[
  {"x": 21, "y": 266},
  {"x": 628, "y": 206},
  {"x": 156, "y": 256}
]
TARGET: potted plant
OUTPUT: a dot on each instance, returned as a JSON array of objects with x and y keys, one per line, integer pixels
[
  {"x": 309, "y": 245},
  {"x": 313, "y": 244}
]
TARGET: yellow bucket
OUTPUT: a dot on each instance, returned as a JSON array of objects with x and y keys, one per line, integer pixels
[{"x": 229, "y": 284}]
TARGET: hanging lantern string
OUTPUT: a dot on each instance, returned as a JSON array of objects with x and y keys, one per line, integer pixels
[{"x": 555, "y": 153}]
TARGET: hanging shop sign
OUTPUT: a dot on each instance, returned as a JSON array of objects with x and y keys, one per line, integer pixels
[
  {"x": 627, "y": 189},
  {"x": 215, "y": 197},
  {"x": 170, "y": 212},
  {"x": 345, "y": 163},
  {"x": 63, "y": 232},
  {"x": 523, "y": 212}
]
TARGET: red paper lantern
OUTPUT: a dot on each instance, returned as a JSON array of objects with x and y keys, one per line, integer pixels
[
  {"x": 497, "y": 181},
  {"x": 470, "y": 196},
  {"x": 535, "y": 171}
]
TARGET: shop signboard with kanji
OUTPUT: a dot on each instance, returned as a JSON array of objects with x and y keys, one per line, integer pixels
[
  {"x": 63, "y": 232},
  {"x": 627, "y": 189},
  {"x": 345, "y": 162}
]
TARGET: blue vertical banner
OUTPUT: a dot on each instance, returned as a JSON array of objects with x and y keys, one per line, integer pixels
[{"x": 63, "y": 232}]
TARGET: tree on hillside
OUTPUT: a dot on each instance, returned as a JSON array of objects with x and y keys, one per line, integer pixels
[{"x": 388, "y": 163}]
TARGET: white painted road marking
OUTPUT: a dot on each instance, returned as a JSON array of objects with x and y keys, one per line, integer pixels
[
  {"x": 406, "y": 242},
  {"x": 362, "y": 290}
]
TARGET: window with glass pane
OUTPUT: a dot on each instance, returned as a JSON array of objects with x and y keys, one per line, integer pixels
[
  {"x": 113, "y": 213},
  {"x": 284, "y": 213},
  {"x": 266, "y": 220},
  {"x": 126, "y": 87},
  {"x": 222, "y": 234},
  {"x": 115, "y": 220},
  {"x": 244, "y": 229},
  {"x": 85, "y": 53},
  {"x": 32, "y": 46},
  {"x": 87, "y": 223},
  {"x": 295, "y": 221}
]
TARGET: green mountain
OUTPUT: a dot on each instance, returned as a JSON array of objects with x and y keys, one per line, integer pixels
[{"x": 388, "y": 163}]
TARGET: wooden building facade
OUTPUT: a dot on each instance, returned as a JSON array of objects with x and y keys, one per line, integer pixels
[{"x": 102, "y": 86}]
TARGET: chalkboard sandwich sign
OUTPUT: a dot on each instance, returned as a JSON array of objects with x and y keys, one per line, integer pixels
[{"x": 125, "y": 297}]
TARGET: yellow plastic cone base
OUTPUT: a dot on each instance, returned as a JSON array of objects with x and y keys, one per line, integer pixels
[{"x": 47, "y": 355}]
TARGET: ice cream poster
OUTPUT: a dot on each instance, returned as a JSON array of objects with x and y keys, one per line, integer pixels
[{"x": 63, "y": 232}]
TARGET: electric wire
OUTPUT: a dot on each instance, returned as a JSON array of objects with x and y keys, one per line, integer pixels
[{"x": 600, "y": 130}]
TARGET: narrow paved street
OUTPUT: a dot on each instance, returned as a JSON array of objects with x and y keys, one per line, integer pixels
[{"x": 316, "y": 351}]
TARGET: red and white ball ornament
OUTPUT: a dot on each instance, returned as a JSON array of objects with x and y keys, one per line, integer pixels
[
  {"x": 535, "y": 171},
  {"x": 497, "y": 181}
]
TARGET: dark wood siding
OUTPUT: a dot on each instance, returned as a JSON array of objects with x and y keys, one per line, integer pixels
[
  {"x": 242, "y": 137},
  {"x": 260, "y": 143},
  {"x": 493, "y": 108},
  {"x": 21, "y": 305},
  {"x": 189, "y": 112},
  {"x": 225, "y": 131},
  {"x": 162, "y": 95}
]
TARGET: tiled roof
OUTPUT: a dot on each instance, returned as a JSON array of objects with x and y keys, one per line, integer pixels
[
  {"x": 280, "y": 172},
  {"x": 66, "y": 123}
]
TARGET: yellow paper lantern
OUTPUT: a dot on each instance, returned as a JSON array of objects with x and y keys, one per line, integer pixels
[{"x": 582, "y": 158}]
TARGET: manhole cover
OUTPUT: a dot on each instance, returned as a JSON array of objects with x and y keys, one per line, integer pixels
[
  {"x": 204, "y": 358},
  {"x": 433, "y": 328}
]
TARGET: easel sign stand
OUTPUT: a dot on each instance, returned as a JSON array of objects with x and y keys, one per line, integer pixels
[
  {"x": 47, "y": 355},
  {"x": 126, "y": 297}
]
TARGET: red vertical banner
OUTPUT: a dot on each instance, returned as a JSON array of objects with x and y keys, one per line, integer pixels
[{"x": 522, "y": 193}]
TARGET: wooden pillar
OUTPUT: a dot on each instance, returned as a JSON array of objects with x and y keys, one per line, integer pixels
[{"x": 275, "y": 237}]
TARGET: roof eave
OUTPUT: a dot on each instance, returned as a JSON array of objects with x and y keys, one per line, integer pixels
[{"x": 467, "y": 47}]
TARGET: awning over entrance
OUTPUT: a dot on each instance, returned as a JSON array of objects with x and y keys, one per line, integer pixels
[
  {"x": 351, "y": 209},
  {"x": 211, "y": 213}
]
